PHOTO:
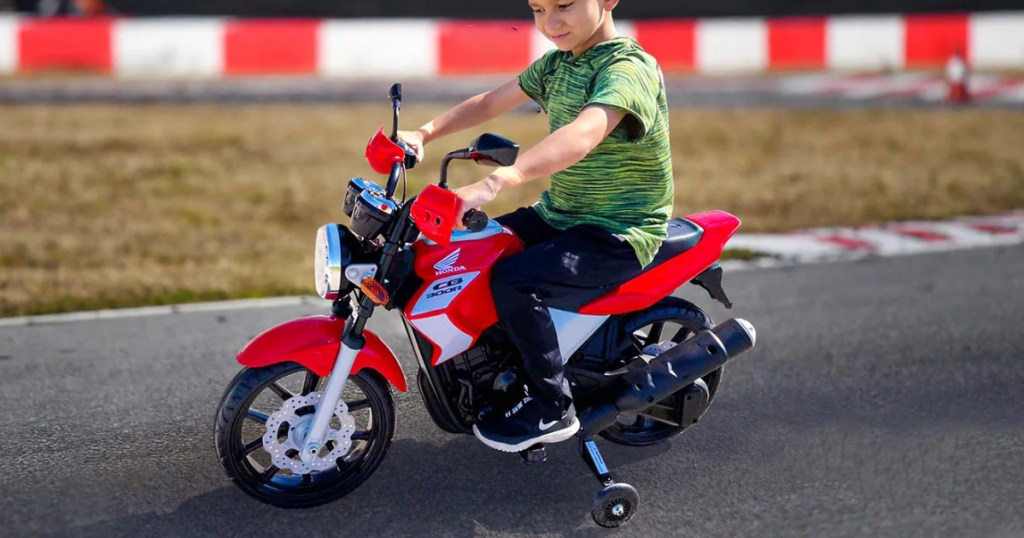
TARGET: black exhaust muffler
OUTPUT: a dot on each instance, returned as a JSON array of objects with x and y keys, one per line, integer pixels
[{"x": 643, "y": 383}]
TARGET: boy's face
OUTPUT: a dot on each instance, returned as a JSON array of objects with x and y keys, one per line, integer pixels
[{"x": 572, "y": 25}]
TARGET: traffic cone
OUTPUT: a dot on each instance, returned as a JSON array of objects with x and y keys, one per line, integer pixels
[{"x": 956, "y": 80}]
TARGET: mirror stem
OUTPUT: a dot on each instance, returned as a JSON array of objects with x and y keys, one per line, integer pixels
[
  {"x": 444, "y": 171},
  {"x": 395, "y": 93},
  {"x": 457, "y": 154}
]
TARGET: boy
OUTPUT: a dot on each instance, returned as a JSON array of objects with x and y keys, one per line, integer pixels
[{"x": 607, "y": 210}]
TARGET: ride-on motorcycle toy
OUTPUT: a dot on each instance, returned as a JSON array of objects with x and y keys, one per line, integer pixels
[{"x": 311, "y": 415}]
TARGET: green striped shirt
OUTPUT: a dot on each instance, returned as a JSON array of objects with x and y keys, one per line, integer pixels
[{"x": 625, "y": 184}]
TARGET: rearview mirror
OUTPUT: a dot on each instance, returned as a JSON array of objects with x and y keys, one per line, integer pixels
[{"x": 490, "y": 148}]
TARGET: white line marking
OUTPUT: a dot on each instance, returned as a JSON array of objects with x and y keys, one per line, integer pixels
[{"x": 242, "y": 304}]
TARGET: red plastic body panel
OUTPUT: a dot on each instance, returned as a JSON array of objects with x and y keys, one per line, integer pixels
[
  {"x": 472, "y": 311},
  {"x": 434, "y": 213},
  {"x": 651, "y": 286},
  {"x": 382, "y": 153},
  {"x": 313, "y": 342}
]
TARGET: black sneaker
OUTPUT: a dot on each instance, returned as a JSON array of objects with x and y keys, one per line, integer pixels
[{"x": 524, "y": 425}]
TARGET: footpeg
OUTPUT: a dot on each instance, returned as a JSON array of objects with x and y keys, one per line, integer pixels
[{"x": 534, "y": 454}]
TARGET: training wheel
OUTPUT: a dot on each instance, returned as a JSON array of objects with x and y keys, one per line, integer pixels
[{"x": 615, "y": 505}]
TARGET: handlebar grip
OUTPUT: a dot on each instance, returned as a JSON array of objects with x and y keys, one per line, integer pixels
[{"x": 475, "y": 220}]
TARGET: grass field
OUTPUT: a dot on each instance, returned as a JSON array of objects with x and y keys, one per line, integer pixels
[{"x": 106, "y": 206}]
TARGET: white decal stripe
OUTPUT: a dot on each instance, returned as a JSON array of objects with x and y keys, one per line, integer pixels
[
  {"x": 428, "y": 303},
  {"x": 359, "y": 48},
  {"x": 573, "y": 329},
  {"x": 8, "y": 44},
  {"x": 440, "y": 331},
  {"x": 168, "y": 47}
]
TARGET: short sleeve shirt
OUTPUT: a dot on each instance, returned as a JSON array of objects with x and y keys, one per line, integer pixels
[{"x": 624, "y": 185}]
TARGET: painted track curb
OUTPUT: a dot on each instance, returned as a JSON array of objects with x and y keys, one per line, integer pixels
[
  {"x": 817, "y": 245},
  {"x": 189, "y": 308},
  {"x": 890, "y": 239}
]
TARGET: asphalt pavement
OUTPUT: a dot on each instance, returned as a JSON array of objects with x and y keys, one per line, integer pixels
[{"x": 883, "y": 399}]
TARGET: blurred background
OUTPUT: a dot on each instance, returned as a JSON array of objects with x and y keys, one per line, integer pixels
[
  {"x": 167, "y": 151},
  {"x": 484, "y": 10}
]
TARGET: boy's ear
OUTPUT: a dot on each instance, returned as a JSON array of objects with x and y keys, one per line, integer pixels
[{"x": 610, "y": 4}]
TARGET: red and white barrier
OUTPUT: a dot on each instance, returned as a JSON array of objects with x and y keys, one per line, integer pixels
[
  {"x": 8, "y": 45},
  {"x": 356, "y": 48}
]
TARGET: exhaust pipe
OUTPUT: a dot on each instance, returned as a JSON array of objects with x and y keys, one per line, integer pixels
[{"x": 645, "y": 383}]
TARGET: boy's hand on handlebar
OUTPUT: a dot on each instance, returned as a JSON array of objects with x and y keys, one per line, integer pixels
[
  {"x": 413, "y": 139},
  {"x": 486, "y": 190},
  {"x": 472, "y": 197}
]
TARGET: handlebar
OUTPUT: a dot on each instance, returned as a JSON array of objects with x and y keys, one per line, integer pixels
[{"x": 475, "y": 220}]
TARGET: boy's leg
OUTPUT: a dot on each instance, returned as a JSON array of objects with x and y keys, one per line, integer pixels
[
  {"x": 528, "y": 226},
  {"x": 565, "y": 272}
]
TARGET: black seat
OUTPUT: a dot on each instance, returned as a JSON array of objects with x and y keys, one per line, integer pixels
[{"x": 682, "y": 236}]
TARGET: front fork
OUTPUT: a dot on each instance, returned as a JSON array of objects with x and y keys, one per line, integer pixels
[
  {"x": 352, "y": 343},
  {"x": 329, "y": 400}
]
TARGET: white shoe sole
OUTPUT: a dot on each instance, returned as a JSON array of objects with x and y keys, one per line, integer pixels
[{"x": 553, "y": 437}]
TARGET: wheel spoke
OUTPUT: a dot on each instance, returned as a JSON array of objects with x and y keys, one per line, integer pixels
[
  {"x": 654, "y": 336},
  {"x": 309, "y": 384},
  {"x": 682, "y": 334},
  {"x": 659, "y": 419},
  {"x": 270, "y": 472},
  {"x": 356, "y": 406},
  {"x": 361, "y": 436},
  {"x": 257, "y": 416},
  {"x": 252, "y": 447},
  {"x": 279, "y": 390}
]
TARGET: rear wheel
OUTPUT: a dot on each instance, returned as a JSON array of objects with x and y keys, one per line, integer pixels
[
  {"x": 670, "y": 321},
  {"x": 265, "y": 464}
]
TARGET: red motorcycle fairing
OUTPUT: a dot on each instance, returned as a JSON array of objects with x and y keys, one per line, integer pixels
[
  {"x": 454, "y": 305},
  {"x": 313, "y": 342},
  {"x": 659, "y": 282}
]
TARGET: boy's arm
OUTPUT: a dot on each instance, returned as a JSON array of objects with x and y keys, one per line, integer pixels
[
  {"x": 471, "y": 112},
  {"x": 558, "y": 151}
]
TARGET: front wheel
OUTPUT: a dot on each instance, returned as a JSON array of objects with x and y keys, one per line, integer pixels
[{"x": 282, "y": 397}]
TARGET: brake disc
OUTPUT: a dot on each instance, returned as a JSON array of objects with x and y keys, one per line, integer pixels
[{"x": 284, "y": 447}]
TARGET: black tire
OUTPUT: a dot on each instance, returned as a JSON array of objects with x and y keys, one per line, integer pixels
[
  {"x": 653, "y": 425},
  {"x": 238, "y": 435},
  {"x": 615, "y": 505}
]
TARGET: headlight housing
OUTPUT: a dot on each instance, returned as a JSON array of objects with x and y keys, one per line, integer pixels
[{"x": 329, "y": 261}]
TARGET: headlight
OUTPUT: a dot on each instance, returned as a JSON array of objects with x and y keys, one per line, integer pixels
[{"x": 329, "y": 261}]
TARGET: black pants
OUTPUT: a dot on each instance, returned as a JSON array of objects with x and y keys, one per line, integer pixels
[{"x": 560, "y": 269}]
